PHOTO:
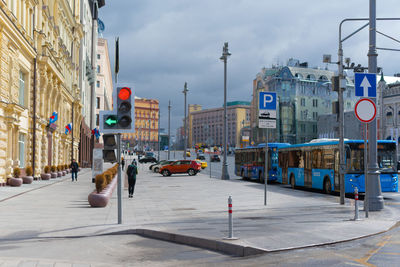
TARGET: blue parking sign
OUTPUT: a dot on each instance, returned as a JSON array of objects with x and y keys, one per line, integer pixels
[{"x": 267, "y": 100}]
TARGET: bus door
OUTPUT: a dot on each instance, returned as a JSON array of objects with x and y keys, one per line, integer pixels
[
  {"x": 284, "y": 164},
  {"x": 336, "y": 170},
  {"x": 307, "y": 169}
]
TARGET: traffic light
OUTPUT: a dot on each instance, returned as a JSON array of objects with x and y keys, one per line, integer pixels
[
  {"x": 124, "y": 108},
  {"x": 109, "y": 148},
  {"x": 121, "y": 118}
]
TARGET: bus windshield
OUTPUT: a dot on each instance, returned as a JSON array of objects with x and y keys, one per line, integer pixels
[{"x": 386, "y": 158}]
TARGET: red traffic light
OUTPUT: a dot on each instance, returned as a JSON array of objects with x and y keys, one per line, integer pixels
[{"x": 124, "y": 93}]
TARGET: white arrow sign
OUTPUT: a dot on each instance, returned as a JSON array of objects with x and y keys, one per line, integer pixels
[{"x": 365, "y": 85}]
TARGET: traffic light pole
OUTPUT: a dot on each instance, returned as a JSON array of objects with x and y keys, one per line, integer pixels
[{"x": 119, "y": 184}]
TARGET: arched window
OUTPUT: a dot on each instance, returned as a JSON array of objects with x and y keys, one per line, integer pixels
[
  {"x": 311, "y": 77},
  {"x": 299, "y": 75}
]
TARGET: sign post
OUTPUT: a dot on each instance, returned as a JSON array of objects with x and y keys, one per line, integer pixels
[
  {"x": 267, "y": 119},
  {"x": 365, "y": 110}
]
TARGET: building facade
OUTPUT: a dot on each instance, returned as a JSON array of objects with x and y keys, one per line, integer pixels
[
  {"x": 208, "y": 124},
  {"x": 303, "y": 94},
  {"x": 191, "y": 108},
  {"x": 39, "y": 48},
  {"x": 146, "y": 125},
  {"x": 104, "y": 87}
]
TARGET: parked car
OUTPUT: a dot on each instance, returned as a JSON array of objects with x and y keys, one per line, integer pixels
[
  {"x": 201, "y": 157},
  {"x": 215, "y": 158},
  {"x": 147, "y": 159},
  {"x": 156, "y": 167},
  {"x": 191, "y": 167},
  {"x": 202, "y": 163}
]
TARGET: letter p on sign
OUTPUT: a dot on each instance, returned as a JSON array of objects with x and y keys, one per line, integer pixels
[{"x": 267, "y": 100}]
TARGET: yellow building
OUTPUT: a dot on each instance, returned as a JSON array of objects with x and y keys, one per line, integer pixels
[
  {"x": 191, "y": 108},
  {"x": 39, "y": 59},
  {"x": 146, "y": 124}
]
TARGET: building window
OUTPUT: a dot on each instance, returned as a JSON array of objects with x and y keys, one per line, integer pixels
[
  {"x": 315, "y": 115},
  {"x": 21, "y": 99},
  {"x": 98, "y": 102},
  {"x": 98, "y": 56},
  {"x": 98, "y": 84},
  {"x": 303, "y": 102},
  {"x": 21, "y": 147},
  {"x": 315, "y": 103},
  {"x": 98, "y": 68},
  {"x": 97, "y": 119}
]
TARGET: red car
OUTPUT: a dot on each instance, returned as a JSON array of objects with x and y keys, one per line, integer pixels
[{"x": 181, "y": 166}]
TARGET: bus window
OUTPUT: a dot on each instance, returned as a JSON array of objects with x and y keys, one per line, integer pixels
[{"x": 328, "y": 159}]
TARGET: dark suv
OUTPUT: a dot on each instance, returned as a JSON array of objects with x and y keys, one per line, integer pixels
[
  {"x": 148, "y": 159},
  {"x": 215, "y": 158}
]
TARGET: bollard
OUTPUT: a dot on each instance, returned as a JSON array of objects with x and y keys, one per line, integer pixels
[
  {"x": 230, "y": 230},
  {"x": 356, "y": 204},
  {"x": 230, "y": 217}
]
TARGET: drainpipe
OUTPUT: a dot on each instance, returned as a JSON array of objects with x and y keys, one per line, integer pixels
[{"x": 34, "y": 118}]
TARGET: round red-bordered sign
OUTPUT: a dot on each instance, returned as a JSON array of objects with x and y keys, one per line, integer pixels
[{"x": 365, "y": 110}]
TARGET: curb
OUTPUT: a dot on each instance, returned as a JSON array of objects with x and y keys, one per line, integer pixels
[{"x": 229, "y": 248}]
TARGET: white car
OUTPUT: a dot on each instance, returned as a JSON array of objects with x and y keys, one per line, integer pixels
[{"x": 156, "y": 168}]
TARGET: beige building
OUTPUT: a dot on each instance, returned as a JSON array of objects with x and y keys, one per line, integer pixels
[
  {"x": 191, "y": 108},
  {"x": 146, "y": 124},
  {"x": 208, "y": 124},
  {"x": 104, "y": 87},
  {"x": 39, "y": 48}
]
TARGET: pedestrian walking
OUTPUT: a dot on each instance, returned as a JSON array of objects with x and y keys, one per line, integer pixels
[
  {"x": 134, "y": 162},
  {"x": 131, "y": 172},
  {"x": 122, "y": 163},
  {"x": 74, "y": 170}
]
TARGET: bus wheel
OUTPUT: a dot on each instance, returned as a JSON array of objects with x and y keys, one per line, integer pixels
[
  {"x": 292, "y": 182},
  {"x": 261, "y": 177},
  {"x": 327, "y": 186}
]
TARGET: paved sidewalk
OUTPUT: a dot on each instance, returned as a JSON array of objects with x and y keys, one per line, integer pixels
[{"x": 189, "y": 210}]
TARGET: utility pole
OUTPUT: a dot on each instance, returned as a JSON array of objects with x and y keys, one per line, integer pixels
[
  {"x": 375, "y": 198},
  {"x": 169, "y": 127},
  {"x": 224, "y": 58},
  {"x": 185, "y": 90}
]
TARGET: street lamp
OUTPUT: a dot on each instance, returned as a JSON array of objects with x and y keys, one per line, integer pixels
[
  {"x": 169, "y": 127},
  {"x": 185, "y": 90},
  {"x": 224, "y": 58}
]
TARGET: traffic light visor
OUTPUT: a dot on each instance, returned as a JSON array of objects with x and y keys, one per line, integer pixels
[{"x": 124, "y": 93}]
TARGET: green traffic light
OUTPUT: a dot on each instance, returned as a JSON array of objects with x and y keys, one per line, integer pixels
[{"x": 111, "y": 121}]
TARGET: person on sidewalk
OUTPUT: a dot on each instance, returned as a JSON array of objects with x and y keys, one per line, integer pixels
[
  {"x": 74, "y": 170},
  {"x": 131, "y": 172},
  {"x": 122, "y": 163}
]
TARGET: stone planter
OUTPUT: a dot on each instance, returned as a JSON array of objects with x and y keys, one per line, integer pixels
[
  {"x": 45, "y": 176},
  {"x": 53, "y": 175},
  {"x": 27, "y": 179},
  {"x": 67, "y": 171},
  {"x": 59, "y": 174},
  {"x": 100, "y": 200},
  {"x": 64, "y": 173},
  {"x": 15, "y": 181}
]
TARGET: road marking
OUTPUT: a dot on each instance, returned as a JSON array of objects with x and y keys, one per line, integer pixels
[{"x": 364, "y": 260}]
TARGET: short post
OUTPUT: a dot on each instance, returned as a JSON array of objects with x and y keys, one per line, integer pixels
[
  {"x": 210, "y": 165},
  {"x": 356, "y": 218},
  {"x": 230, "y": 236}
]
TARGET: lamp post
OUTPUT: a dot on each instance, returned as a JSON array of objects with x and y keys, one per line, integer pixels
[
  {"x": 224, "y": 58},
  {"x": 158, "y": 135},
  {"x": 185, "y": 90},
  {"x": 169, "y": 127}
]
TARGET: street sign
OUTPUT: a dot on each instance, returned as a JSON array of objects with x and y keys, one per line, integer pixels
[
  {"x": 365, "y": 84},
  {"x": 365, "y": 110},
  {"x": 267, "y": 110}
]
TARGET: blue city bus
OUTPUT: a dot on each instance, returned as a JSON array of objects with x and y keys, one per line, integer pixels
[
  {"x": 316, "y": 165},
  {"x": 250, "y": 162}
]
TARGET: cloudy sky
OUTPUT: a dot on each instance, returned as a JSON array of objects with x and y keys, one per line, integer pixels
[{"x": 164, "y": 43}]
